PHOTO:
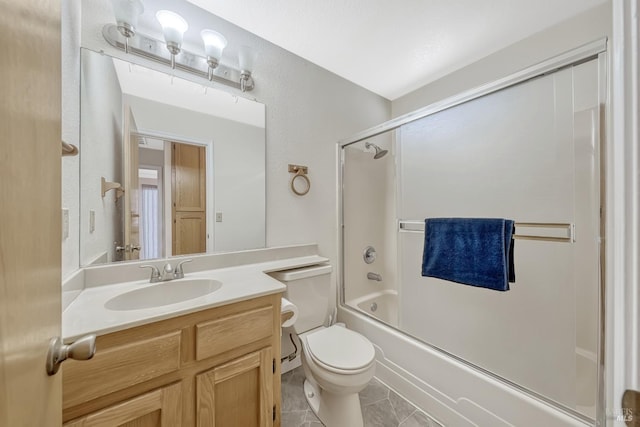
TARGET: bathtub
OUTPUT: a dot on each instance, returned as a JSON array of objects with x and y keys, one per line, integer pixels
[
  {"x": 381, "y": 305},
  {"x": 446, "y": 388}
]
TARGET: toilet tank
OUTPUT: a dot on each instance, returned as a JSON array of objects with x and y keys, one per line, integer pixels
[{"x": 308, "y": 288}]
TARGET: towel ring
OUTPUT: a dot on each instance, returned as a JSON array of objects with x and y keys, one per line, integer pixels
[{"x": 300, "y": 172}]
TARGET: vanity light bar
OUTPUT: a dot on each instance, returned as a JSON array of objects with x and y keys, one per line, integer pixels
[{"x": 155, "y": 50}]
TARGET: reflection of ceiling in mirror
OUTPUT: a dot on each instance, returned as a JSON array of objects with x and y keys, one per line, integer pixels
[
  {"x": 150, "y": 143},
  {"x": 160, "y": 87}
]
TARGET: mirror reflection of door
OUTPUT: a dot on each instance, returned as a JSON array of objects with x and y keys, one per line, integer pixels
[
  {"x": 188, "y": 191},
  {"x": 170, "y": 181}
]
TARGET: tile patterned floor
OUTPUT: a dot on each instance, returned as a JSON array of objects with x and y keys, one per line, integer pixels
[{"x": 381, "y": 407}]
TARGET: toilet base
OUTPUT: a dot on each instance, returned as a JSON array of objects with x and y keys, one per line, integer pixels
[{"x": 334, "y": 410}]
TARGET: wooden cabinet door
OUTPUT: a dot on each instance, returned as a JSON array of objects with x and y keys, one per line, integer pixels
[
  {"x": 159, "y": 408},
  {"x": 238, "y": 393}
]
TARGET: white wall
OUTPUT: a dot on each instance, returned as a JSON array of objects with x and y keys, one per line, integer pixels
[
  {"x": 369, "y": 217},
  {"x": 151, "y": 157},
  {"x": 71, "y": 16},
  {"x": 308, "y": 111},
  {"x": 101, "y": 156}
]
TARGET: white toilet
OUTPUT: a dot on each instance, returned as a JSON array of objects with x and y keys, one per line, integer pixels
[{"x": 338, "y": 363}]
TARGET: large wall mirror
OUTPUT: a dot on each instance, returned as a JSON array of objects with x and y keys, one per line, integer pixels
[{"x": 168, "y": 166}]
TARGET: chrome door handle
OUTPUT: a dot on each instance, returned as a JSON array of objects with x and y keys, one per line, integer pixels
[{"x": 82, "y": 349}]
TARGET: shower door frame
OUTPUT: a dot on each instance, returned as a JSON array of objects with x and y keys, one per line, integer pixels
[{"x": 595, "y": 50}]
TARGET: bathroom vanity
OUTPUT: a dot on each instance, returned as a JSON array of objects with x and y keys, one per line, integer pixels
[
  {"x": 212, "y": 360},
  {"x": 215, "y": 367}
]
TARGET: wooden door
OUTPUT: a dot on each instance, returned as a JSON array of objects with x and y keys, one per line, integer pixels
[
  {"x": 190, "y": 227},
  {"x": 131, "y": 195},
  {"x": 30, "y": 213},
  {"x": 159, "y": 408},
  {"x": 188, "y": 192},
  {"x": 238, "y": 393}
]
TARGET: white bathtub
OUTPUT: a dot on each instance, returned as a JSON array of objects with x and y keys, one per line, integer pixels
[
  {"x": 381, "y": 305},
  {"x": 446, "y": 388}
]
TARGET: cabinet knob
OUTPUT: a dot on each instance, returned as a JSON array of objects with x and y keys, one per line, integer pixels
[{"x": 82, "y": 349}]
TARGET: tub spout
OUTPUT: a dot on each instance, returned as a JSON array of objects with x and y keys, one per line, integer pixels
[{"x": 374, "y": 276}]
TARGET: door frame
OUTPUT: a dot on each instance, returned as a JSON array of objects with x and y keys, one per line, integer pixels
[
  {"x": 622, "y": 363},
  {"x": 210, "y": 179}
]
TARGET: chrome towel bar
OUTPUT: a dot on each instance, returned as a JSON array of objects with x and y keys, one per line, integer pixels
[{"x": 418, "y": 227}]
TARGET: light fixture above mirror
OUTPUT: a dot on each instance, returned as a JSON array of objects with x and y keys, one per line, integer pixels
[
  {"x": 173, "y": 29},
  {"x": 126, "y": 13},
  {"x": 125, "y": 36},
  {"x": 214, "y": 44}
]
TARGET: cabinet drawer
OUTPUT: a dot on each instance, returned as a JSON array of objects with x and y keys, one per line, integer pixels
[
  {"x": 226, "y": 333},
  {"x": 119, "y": 367}
]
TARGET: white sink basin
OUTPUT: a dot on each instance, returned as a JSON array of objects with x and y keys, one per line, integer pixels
[{"x": 161, "y": 294}]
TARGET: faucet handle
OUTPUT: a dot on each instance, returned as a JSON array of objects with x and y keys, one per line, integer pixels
[
  {"x": 155, "y": 273},
  {"x": 178, "y": 272}
]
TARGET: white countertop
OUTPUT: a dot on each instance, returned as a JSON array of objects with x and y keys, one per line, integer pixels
[{"x": 88, "y": 313}]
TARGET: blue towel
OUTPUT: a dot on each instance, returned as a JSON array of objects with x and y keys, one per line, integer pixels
[{"x": 472, "y": 251}]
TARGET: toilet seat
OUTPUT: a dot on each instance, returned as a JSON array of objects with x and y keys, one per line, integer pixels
[{"x": 339, "y": 350}]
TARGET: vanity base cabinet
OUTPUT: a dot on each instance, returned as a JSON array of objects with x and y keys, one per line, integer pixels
[{"x": 216, "y": 367}]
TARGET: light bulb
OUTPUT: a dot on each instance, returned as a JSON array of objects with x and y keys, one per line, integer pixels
[
  {"x": 126, "y": 13},
  {"x": 173, "y": 29},
  {"x": 246, "y": 58},
  {"x": 214, "y": 44}
]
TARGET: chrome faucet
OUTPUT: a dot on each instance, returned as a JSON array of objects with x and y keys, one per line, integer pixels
[
  {"x": 168, "y": 272},
  {"x": 374, "y": 276}
]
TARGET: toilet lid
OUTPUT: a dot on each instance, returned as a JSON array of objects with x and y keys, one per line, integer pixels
[{"x": 341, "y": 348}]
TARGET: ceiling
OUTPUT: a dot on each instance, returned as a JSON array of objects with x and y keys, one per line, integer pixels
[{"x": 394, "y": 47}]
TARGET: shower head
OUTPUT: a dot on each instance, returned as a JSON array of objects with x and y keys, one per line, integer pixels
[{"x": 380, "y": 153}]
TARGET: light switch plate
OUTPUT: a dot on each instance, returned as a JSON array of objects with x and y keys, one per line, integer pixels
[
  {"x": 92, "y": 221},
  {"x": 218, "y": 216},
  {"x": 65, "y": 224}
]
